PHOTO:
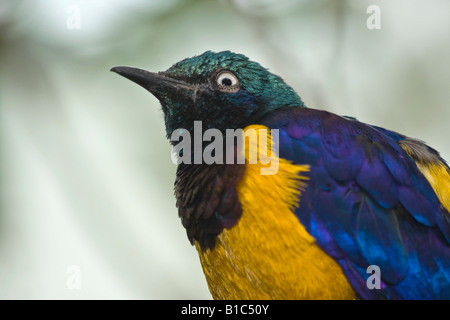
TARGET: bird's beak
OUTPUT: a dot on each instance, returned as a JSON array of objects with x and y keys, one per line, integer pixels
[{"x": 157, "y": 83}]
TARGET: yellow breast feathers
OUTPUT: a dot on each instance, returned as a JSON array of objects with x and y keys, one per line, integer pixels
[{"x": 268, "y": 254}]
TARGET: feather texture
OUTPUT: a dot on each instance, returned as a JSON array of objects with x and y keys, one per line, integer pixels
[{"x": 368, "y": 203}]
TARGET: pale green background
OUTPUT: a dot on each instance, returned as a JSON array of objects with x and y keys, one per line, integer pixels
[{"x": 86, "y": 176}]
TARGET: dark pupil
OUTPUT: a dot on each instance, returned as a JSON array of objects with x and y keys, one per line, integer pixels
[{"x": 226, "y": 82}]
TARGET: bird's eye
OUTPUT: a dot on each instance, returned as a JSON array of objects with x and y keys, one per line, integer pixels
[{"x": 227, "y": 82}]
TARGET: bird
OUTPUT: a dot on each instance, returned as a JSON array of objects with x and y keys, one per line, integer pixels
[{"x": 352, "y": 211}]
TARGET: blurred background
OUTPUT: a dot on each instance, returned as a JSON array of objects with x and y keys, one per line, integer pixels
[{"x": 87, "y": 208}]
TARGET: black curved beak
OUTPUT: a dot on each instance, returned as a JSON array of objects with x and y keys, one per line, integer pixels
[{"x": 156, "y": 83}]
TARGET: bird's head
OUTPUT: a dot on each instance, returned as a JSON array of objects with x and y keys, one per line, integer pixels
[{"x": 224, "y": 90}]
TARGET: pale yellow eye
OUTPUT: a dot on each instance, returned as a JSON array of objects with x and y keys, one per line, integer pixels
[{"x": 227, "y": 81}]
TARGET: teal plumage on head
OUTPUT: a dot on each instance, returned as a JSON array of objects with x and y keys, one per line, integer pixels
[
  {"x": 226, "y": 106},
  {"x": 374, "y": 197}
]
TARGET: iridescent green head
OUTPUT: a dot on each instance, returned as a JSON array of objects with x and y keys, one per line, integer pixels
[{"x": 224, "y": 90}]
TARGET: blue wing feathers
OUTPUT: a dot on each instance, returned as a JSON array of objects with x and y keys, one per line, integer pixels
[
  {"x": 376, "y": 180},
  {"x": 380, "y": 242},
  {"x": 367, "y": 203}
]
